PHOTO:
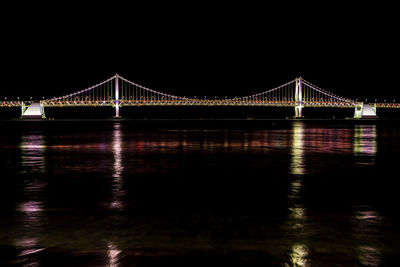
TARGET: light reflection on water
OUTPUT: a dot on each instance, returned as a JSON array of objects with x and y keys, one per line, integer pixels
[
  {"x": 365, "y": 144},
  {"x": 315, "y": 140},
  {"x": 366, "y": 232},
  {"x": 33, "y": 159},
  {"x": 28, "y": 255},
  {"x": 31, "y": 206},
  {"x": 117, "y": 190},
  {"x": 297, "y": 164},
  {"x": 27, "y": 241},
  {"x": 299, "y": 255},
  {"x": 300, "y": 149},
  {"x": 33, "y": 150},
  {"x": 297, "y": 219},
  {"x": 113, "y": 254}
]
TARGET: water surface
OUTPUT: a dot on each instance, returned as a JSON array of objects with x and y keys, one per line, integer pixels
[{"x": 112, "y": 194}]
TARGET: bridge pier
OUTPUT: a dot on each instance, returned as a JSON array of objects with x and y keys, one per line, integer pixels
[
  {"x": 365, "y": 111},
  {"x": 298, "y": 111},
  {"x": 33, "y": 111},
  {"x": 23, "y": 108},
  {"x": 358, "y": 111}
]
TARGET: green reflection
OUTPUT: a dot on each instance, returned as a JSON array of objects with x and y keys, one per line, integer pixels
[
  {"x": 298, "y": 255},
  {"x": 365, "y": 140},
  {"x": 297, "y": 159}
]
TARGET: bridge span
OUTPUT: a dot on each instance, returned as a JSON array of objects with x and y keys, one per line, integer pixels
[{"x": 119, "y": 92}]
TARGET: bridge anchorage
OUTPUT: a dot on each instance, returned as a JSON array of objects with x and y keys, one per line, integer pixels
[{"x": 119, "y": 92}]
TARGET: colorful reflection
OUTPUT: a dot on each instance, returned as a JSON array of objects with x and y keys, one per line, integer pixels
[
  {"x": 113, "y": 255},
  {"x": 367, "y": 233},
  {"x": 117, "y": 189},
  {"x": 328, "y": 140},
  {"x": 297, "y": 219},
  {"x": 33, "y": 150},
  {"x": 365, "y": 144},
  {"x": 31, "y": 206},
  {"x": 296, "y": 225},
  {"x": 33, "y": 162},
  {"x": 298, "y": 255},
  {"x": 365, "y": 139},
  {"x": 297, "y": 165},
  {"x": 369, "y": 256},
  {"x": 28, "y": 252},
  {"x": 236, "y": 142}
]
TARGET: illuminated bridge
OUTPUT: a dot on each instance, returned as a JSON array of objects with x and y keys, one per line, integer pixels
[{"x": 119, "y": 92}]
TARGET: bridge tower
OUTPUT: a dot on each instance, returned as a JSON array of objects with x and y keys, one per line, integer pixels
[
  {"x": 116, "y": 103},
  {"x": 298, "y": 97}
]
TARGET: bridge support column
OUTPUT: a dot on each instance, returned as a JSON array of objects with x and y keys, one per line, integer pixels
[
  {"x": 365, "y": 111},
  {"x": 117, "y": 105},
  {"x": 42, "y": 110},
  {"x": 23, "y": 108},
  {"x": 298, "y": 111},
  {"x": 358, "y": 111},
  {"x": 33, "y": 111},
  {"x": 298, "y": 97}
]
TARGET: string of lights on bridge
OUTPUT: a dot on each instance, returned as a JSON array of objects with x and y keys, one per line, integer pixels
[{"x": 120, "y": 91}]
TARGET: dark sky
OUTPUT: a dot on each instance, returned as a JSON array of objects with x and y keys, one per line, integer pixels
[{"x": 200, "y": 48}]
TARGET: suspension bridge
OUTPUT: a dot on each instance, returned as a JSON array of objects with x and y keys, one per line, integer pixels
[{"x": 119, "y": 92}]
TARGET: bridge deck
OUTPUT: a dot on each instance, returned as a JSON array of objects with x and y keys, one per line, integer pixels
[
  {"x": 296, "y": 93},
  {"x": 190, "y": 103}
]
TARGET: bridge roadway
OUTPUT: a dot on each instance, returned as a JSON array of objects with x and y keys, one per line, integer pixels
[
  {"x": 119, "y": 92},
  {"x": 190, "y": 102}
]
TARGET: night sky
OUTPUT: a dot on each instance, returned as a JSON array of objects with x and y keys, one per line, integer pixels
[{"x": 200, "y": 48}]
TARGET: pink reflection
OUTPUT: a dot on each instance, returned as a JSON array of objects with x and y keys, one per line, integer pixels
[
  {"x": 28, "y": 247},
  {"x": 365, "y": 139},
  {"x": 328, "y": 140},
  {"x": 210, "y": 141},
  {"x": 117, "y": 151},
  {"x": 100, "y": 147},
  {"x": 365, "y": 145},
  {"x": 117, "y": 190},
  {"x": 113, "y": 255},
  {"x": 27, "y": 242},
  {"x": 116, "y": 204},
  {"x": 369, "y": 256},
  {"x": 32, "y": 149},
  {"x": 367, "y": 215},
  {"x": 31, "y": 206},
  {"x": 367, "y": 223}
]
